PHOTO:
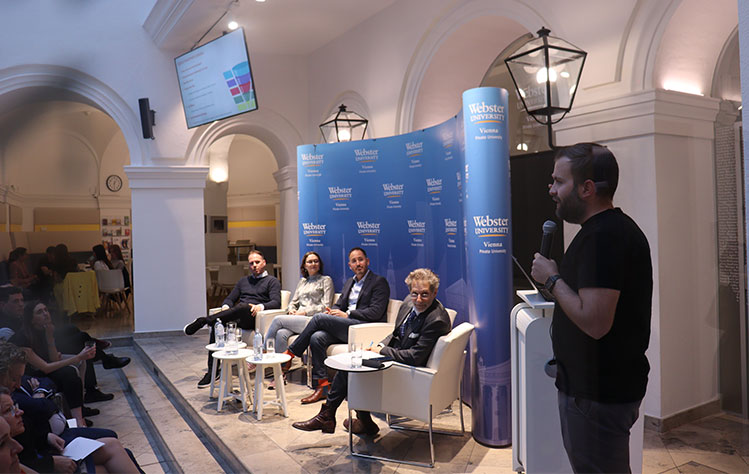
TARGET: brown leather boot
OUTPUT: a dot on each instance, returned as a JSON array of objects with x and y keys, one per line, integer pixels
[
  {"x": 362, "y": 424},
  {"x": 325, "y": 421},
  {"x": 318, "y": 394}
]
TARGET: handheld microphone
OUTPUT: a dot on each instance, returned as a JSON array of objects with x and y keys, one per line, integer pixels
[{"x": 549, "y": 228}]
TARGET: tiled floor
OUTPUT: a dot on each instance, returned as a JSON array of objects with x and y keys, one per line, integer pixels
[{"x": 714, "y": 444}]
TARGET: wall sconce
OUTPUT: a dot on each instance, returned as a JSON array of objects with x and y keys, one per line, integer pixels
[
  {"x": 546, "y": 72},
  {"x": 344, "y": 126}
]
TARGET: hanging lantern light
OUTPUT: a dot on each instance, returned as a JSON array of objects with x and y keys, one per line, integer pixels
[
  {"x": 344, "y": 126},
  {"x": 546, "y": 72}
]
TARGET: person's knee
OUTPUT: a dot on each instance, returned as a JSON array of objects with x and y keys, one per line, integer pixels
[{"x": 319, "y": 339}]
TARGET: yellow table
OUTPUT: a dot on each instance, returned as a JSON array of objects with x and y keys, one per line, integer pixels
[{"x": 78, "y": 293}]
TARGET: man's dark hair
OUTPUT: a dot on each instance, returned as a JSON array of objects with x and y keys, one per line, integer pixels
[
  {"x": 359, "y": 249},
  {"x": 591, "y": 161},
  {"x": 6, "y": 291}
]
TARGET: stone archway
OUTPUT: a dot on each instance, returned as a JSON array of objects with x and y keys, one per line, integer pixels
[
  {"x": 84, "y": 88},
  {"x": 282, "y": 138}
]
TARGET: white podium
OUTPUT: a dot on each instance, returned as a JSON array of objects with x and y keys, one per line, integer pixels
[{"x": 536, "y": 436}]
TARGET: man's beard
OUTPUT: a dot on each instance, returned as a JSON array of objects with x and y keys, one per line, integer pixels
[{"x": 571, "y": 209}]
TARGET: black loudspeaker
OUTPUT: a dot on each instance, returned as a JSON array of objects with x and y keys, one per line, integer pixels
[{"x": 147, "y": 118}]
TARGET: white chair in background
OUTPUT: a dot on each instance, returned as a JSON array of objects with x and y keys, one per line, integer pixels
[
  {"x": 414, "y": 392},
  {"x": 112, "y": 289}
]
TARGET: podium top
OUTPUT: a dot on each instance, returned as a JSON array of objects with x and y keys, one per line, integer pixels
[{"x": 534, "y": 299}]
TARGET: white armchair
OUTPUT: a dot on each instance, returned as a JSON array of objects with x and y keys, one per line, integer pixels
[{"x": 414, "y": 392}]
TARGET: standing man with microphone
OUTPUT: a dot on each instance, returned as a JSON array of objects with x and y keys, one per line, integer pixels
[{"x": 601, "y": 327}]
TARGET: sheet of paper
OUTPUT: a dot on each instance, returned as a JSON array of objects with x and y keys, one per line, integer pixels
[
  {"x": 72, "y": 423},
  {"x": 79, "y": 448}
]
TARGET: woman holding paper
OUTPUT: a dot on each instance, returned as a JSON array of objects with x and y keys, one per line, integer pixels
[{"x": 110, "y": 454}]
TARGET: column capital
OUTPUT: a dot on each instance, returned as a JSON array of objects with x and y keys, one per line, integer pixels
[
  {"x": 161, "y": 177},
  {"x": 286, "y": 178}
]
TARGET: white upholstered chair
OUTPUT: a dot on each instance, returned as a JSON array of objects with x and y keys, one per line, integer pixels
[
  {"x": 264, "y": 318},
  {"x": 414, "y": 392}
]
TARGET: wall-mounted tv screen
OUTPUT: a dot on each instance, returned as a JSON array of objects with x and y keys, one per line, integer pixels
[{"x": 215, "y": 80}]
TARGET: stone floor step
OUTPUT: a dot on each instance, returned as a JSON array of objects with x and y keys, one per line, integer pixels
[
  {"x": 177, "y": 441},
  {"x": 193, "y": 444}
]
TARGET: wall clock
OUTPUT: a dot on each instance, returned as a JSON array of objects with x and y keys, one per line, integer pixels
[{"x": 114, "y": 183}]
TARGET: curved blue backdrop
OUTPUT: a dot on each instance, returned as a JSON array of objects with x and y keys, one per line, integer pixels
[{"x": 436, "y": 198}]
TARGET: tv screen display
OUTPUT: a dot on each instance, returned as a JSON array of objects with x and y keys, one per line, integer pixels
[{"x": 215, "y": 80}]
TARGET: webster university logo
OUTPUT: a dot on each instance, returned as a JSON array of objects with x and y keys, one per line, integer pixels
[
  {"x": 313, "y": 230},
  {"x": 391, "y": 190},
  {"x": 489, "y": 226},
  {"x": 434, "y": 185},
  {"x": 312, "y": 159},
  {"x": 364, "y": 155},
  {"x": 416, "y": 227},
  {"x": 414, "y": 149},
  {"x": 338, "y": 193},
  {"x": 481, "y": 112},
  {"x": 451, "y": 226},
  {"x": 369, "y": 229}
]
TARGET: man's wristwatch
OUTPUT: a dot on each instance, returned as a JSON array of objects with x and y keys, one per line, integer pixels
[{"x": 551, "y": 281}]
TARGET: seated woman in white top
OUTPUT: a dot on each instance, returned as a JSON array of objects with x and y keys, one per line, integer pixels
[
  {"x": 313, "y": 294},
  {"x": 101, "y": 262}
]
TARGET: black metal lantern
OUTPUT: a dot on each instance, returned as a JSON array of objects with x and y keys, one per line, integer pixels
[
  {"x": 546, "y": 71},
  {"x": 344, "y": 126}
]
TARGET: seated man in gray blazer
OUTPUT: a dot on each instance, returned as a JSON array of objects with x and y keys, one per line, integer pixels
[
  {"x": 364, "y": 299},
  {"x": 421, "y": 321}
]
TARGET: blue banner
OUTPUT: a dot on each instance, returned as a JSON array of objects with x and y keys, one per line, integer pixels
[
  {"x": 427, "y": 199},
  {"x": 489, "y": 260}
]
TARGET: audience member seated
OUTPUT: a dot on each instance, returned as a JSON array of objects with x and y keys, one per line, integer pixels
[
  {"x": 20, "y": 275},
  {"x": 45, "y": 276},
  {"x": 42, "y": 449},
  {"x": 421, "y": 321},
  {"x": 37, "y": 339},
  {"x": 115, "y": 257},
  {"x": 9, "y": 449},
  {"x": 250, "y": 295},
  {"x": 68, "y": 339},
  {"x": 101, "y": 261},
  {"x": 11, "y": 311},
  {"x": 63, "y": 263},
  {"x": 364, "y": 299}
]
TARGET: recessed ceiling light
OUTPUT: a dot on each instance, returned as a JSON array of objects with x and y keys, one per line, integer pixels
[{"x": 233, "y": 25}]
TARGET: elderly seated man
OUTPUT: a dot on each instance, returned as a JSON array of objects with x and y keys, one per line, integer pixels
[
  {"x": 421, "y": 321},
  {"x": 250, "y": 295}
]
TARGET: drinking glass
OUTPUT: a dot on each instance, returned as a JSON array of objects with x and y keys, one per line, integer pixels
[
  {"x": 270, "y": 346},
  {"x": 238, "y": 336},
  {"x": 356, "y": 355}
]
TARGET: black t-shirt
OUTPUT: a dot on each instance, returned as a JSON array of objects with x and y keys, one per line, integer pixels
[{"x": 610, "y": 251}]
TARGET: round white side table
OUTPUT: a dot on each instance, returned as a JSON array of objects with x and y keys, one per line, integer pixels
[{"x": 274, "y": 360}]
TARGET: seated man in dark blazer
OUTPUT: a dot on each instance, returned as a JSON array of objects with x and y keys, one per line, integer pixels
[
  {"x": 421, "y": 321},
  {"x": 250, "y": 295},
  {"x": 364, "y": 299}
]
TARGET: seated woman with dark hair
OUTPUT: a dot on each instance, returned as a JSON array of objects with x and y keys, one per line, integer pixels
[
  {"x": 63, "y": 263},
  {"x": 118, "y": 262},
  {"x": 38, "y": 341},
  {"x": 101, "y": 261},
  {"x": 20, "y": 275}
]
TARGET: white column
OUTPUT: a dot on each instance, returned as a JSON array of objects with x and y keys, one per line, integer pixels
[
  {"x": 168, "y": 245},
  {"x": 27, "y": 219},
  {"x": 288, "y": 227}
]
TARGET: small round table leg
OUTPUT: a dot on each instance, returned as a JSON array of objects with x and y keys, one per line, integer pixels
[
  {"x": 213, "y": 377},
  {"x": 280, "y": 388}
]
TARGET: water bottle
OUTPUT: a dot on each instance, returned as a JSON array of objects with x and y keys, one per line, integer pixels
[
  {"x": 219, "y": 331},
  {"x": 258, "y": 345}
]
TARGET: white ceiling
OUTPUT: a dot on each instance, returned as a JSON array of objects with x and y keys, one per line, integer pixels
[{"x": 295, "y": 27}]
